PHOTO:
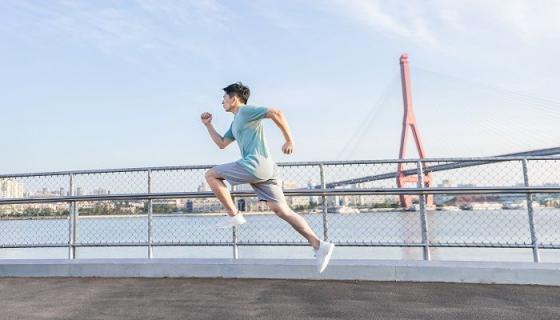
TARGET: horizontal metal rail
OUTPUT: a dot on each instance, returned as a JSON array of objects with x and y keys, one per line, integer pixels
[
  {"x": 516, "y": 157},
  {"x": 298, "y": 192},
  {"x": 286, "y": 243}
]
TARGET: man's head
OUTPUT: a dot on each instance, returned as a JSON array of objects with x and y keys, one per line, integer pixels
[{"x": 235, "y": 95}]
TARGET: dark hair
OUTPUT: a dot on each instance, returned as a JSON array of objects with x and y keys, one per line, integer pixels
[{"x": 238, "y": 90}]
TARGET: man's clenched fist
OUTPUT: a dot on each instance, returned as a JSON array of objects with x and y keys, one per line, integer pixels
[{"x": 206, "y": 118}]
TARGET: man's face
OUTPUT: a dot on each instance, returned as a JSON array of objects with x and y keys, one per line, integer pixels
[{"x": 228, "y": 102}]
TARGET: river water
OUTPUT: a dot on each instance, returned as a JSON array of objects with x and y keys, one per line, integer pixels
[{"x": 499, "y": 226}]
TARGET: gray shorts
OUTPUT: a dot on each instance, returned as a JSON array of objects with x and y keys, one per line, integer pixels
[{"x": 266, "y": 190}]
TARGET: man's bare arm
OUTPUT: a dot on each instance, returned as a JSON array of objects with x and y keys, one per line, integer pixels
[
  {"x": 220, "y": 141},
  {"x": 278, "y": 117}
]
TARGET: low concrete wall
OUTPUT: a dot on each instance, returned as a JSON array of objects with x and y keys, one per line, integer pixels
[{"x": 373, "y": 270}]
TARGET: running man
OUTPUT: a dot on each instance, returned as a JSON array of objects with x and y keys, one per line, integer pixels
[{"x": 256, "y": 166}]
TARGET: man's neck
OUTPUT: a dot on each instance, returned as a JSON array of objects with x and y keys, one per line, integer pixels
[{"x": 236, "y": 108}]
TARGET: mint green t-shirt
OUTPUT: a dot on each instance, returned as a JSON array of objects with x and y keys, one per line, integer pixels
[{"x": 247, "y": 129}]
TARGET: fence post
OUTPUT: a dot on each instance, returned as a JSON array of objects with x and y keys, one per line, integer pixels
[
  {"x": 234, "y": 229},
  {"x": 423, "y": 219},
  {"x": 72, "y": 221},
  {"x": 150, "y": 211},
  {"x": 325, "y": 221},
  {"x": 534, "y": 240}
]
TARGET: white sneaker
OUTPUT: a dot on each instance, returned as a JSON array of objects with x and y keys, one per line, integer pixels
[
  {"x": 323, "y": 255},
  {"x": 228, "y": 222}
]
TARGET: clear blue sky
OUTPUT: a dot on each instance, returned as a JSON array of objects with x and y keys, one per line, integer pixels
[{"x": 108, "y": 84}]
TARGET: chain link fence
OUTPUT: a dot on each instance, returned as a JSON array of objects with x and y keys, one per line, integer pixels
[{"x": 479, "y": 202}]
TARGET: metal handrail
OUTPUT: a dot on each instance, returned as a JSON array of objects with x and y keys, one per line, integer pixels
[
  {"x": 297, "y": 192},
  {"x": 281, "y": 164}
]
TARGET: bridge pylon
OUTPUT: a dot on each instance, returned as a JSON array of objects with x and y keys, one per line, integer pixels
[{"x": 409, "y": 122}]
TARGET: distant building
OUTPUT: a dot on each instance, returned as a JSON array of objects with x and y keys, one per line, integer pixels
[
  {"x": 167, "y": 202},
  {"x": 203, "y": 205},
  {"x": 442, "y": 199},
  {"x": 10, "y": 188},
  {"x": 311, "y": 186},
  {"x": 294, "y": 201},
  {"x": 358, "y": 200}
]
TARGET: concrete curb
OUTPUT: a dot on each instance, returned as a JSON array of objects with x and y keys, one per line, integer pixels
[{"x": 370, "y": 270}]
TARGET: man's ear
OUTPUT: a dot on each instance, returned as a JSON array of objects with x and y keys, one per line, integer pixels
[{"x": 237, "y": 100}]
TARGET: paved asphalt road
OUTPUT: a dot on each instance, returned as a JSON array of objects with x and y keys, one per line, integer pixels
[{"x": 142, "y": 298}]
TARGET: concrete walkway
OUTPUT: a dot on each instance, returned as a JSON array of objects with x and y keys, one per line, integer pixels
[
  {"x": 367, "y": 270},
  {"x": 156, "y": 298}
]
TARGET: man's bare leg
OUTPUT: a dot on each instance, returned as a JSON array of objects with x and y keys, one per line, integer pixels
[
  {"x": 282, "y": 210},
  {"x": 219, "y": 188}
]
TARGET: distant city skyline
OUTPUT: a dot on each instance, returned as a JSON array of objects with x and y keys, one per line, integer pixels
[{"x": 122, "y": 84}]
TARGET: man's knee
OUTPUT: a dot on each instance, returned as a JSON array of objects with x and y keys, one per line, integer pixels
[
  {"x": 277, "y": 208},
  {"x": 211, "y": 174}
]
